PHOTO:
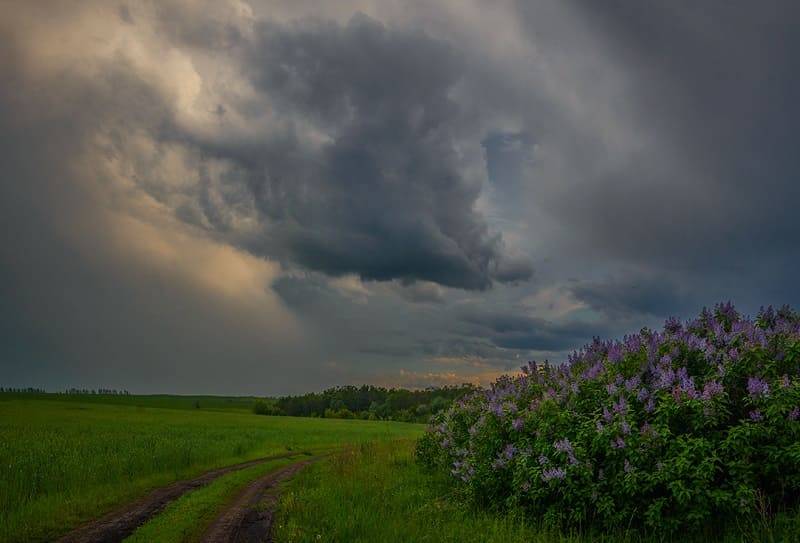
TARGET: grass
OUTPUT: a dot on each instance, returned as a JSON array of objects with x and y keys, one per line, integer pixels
[
  {"x": 186, "y": 518},
  {"x": 242, "y": 403},
  {"x": 65, "y": 462},
  {"x": 376, "y": 493}
]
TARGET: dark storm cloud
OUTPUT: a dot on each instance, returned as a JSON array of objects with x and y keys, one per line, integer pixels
[
  {"x": 383, "y": 196},
  {"x": 512, "y": 330},
  {"x": 633, "y": 295},
  {"x": 680, "y": 156},
  {"x": 194, "y": 191}
]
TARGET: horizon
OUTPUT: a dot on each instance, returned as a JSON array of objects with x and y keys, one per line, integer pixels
[{"x": 271, "y": 197}]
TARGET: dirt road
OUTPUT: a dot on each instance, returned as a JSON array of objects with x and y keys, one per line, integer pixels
[
  {"x": 119, "y": 524},
  {"x": 248, "y": 519}
]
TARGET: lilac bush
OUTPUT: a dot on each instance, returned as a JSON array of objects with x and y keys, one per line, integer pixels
[{"x": 664, "y": 429}]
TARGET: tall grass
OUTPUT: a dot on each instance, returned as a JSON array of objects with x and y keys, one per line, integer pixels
[
  {"x": 62, "y": 463},
  {"x": 377, "y": 493}
]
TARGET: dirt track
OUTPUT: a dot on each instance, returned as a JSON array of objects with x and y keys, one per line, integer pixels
[
  {"x": 121, "y": 523},
  {"x": 249, "y": 518}
]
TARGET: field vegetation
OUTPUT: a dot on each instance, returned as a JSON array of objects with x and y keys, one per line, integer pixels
[
  {"x": 379, "y": 492},
  {"x": 65, "y": 461}
]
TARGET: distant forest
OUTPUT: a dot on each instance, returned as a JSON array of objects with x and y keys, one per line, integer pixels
[{"x": 367, "y": 402}]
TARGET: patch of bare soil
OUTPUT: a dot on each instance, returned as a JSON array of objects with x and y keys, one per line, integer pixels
[
  {"x": 121, "y": 523},
  {"x": 248, "y": 519}
]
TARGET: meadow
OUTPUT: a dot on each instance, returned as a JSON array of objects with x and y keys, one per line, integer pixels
[{"x": 64, "y": 461}]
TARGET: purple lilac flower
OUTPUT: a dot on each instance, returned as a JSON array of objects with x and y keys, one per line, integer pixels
[
  {"x": 620, "y": 407},
  {"x": 650, "y": 406},
  {"x": 756, "y": 416},
  {"x": 599, "y": 426},
  {"x": 794, "y": 414},
  {"x": 626, "y": 428},
  {"x": 594, "y": 371},
  {"x": 563, "y": 445},
  {"x": 646, "y": 429},
  {"x": 615, "y": 353},
  {"x": 785, "y": 382},
  {"x": 509, "y": 451},
  {"x": 553, "y": 473},
  {"x": 611, "y": 388},
  {"x": 711, "y": 389},
  {"x": 757, "y": 387},
  {"x": 642, "y": 395},
  {"x": 543, "y": 460},
  {"x": 673, "y": 325},
  {"x": 607, "y": 415},
  {"x": 517, "y": 424},
  {"x": 666, "y": 376},
  {"x": 632, "y": 383},
  {"x": 618, "y": 443}
]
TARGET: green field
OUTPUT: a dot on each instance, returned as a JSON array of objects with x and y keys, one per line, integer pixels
[{"x": 64, "y": 461}]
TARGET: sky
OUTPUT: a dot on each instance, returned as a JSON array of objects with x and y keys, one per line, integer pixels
[{"x": 277, "y": 196}]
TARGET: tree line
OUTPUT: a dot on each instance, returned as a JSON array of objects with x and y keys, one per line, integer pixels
[
  {"x": 367, "y": 402},
  {"x": 69, "y": 391}
]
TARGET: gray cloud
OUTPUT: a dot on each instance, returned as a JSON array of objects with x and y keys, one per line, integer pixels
[
  {"x": 324, "y": 200},
  {"x": 380, "y": 193}
]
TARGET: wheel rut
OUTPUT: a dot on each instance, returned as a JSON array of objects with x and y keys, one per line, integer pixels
[
  {"x": 121, "y": 523},
  {"x": 248, "y": 519}
]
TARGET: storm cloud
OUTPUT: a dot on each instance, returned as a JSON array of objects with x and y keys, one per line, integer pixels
[{"x": 275, "y": 196}]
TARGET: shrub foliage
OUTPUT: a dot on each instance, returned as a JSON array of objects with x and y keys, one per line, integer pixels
[{"x": 665, "y": 430}]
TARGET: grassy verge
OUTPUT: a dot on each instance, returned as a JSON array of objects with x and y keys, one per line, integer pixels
[
  {"x": 185, "y": 519},
  {"x": 62, "y": 463},
  {"x": 376, "y": 493}
]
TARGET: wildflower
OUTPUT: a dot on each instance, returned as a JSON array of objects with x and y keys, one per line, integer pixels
[
  {"x": 626, "y": 429},
  {"x": 518, "y": 424},
  {"x": 711, "y": 389},
  {"x": 794, "y": 414},
  {"x": 563, "y": 446},
  {"x": 650, "y": 406},
  {"x": 757, "y": 387},
  {"x": 543, "y": 460},
  {"x": 756, "y": 416},
  {"x": 607, "y": 415},
  {"x": 620, "y": 407},
  {"x": 618, "y": 443},
  {"x": 642, "y": 394},
  {"x": 553, "y": 473},
  {"x": 673, "y": 325},
  {"x": 615, "y": 353},
  {"x": 632, "y": 383},
  {"x": 509, "y": 451},
  {"x": 594, "y": 371},
  {"x": 611, "y": 388}
]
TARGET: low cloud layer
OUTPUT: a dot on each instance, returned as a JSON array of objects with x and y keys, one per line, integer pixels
[{"x": 278, "y": 196}]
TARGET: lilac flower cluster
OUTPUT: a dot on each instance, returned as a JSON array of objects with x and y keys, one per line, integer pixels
[{"x": 697, "y": 379}]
